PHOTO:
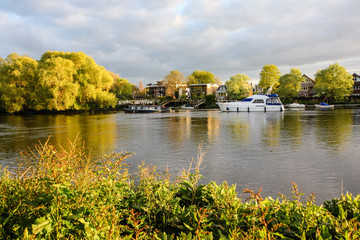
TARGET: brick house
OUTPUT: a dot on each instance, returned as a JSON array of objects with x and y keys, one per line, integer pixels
[
  {"x": 197, "y": 90},
  {"x": 155, "y": 89},
  {"x": 306, "y": 88},
  {"x": 356, "y": 87}
]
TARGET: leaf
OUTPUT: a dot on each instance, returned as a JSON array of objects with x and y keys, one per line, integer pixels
[
  {"x": 278, "y": 234},
  {"x": 42, "y": 224},
  {"x": 188, "y": 227},
  {"x": 66, "y": 192}
]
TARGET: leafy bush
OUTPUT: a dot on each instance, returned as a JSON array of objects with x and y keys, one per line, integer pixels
[
  {"x": 63, "y": 193},
  {"x": 210, "y": 101}
]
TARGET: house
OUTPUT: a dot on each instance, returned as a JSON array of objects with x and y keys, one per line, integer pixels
[
  {"x": 221, "y": 93},
  {"x": 155, "y": 89},
  {"x": 197, "y": 90},
  {"x": 356, "y": 87},
  {"x": 182, "y": 89},
  {"x": 306, "y": 88}
]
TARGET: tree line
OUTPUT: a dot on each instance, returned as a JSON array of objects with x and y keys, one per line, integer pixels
[
  {"x": 58, "y": 81},
  {"x": 73, "y": 81},
  {"x": 333, "y": 82}
]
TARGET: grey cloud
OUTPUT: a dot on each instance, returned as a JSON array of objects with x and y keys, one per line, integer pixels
[{"x": 144, "y": 40}]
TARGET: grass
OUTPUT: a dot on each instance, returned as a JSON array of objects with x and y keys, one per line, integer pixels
[{"x": 64, "y": 193}]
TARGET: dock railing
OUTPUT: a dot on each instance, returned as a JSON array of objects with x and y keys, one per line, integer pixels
[
  {"x": 137, "y": 102},
  {"x": 224, "y": 101}
]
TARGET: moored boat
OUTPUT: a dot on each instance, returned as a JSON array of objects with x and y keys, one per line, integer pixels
[
  {"x": 254, "y": 103},
  {"x": 324, "y": 106},
  {"x": 295, "y": 106},
  {"x": 146, "y": 109},
  {"x": 187, "y": 107}
]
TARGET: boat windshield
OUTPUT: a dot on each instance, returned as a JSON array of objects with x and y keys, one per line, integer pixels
[
  {"x": 247, "y": 100},
  {"x": 273, "y": 101}
]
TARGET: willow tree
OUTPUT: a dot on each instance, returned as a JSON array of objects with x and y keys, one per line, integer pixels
[
  {"x": 57, "y": 88},
  {"x": 238, "y": 86},
  {"x": 333, "y": 82},
  {"x": 289, "y": 85},
  {"x": 94, "y": 81},
  {"x": 269, "y": 78},
  {"x": 17, "y": 82}
]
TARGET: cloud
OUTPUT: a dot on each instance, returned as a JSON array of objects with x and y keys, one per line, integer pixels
[{"x": 144, "y": 40}]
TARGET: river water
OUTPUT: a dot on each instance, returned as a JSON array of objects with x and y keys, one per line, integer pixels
[{"x": 318, "y": 150}]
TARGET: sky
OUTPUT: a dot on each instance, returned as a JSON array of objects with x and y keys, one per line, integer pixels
[{"x": 143, "y": 40}]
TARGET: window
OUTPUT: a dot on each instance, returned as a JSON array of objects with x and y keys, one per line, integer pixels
[
  {"x": 273, "y": 101},
  {"x": 307, "y": 80},
  {"x": 258, "y": 101}
]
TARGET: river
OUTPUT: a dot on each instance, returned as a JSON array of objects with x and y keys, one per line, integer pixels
[{"x": 318, "y": 150}]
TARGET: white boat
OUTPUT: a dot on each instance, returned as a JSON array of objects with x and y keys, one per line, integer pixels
[
  {"x": 295, "y": 106},
  {"x": 324, "y": 106},
  {"x": 187, "y": 107},
  {"x": 147, "y": 109},
  {"x": 254, "y": 103}
]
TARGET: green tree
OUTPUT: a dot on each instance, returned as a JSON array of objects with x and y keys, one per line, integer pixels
[
  {"x": 17, "y": 82},
  {"x": 172, "y": 82},
  {"x": 333, "y": 82},
  {"x": 122, "y": 88},
  {"x": 57, "y": 89},
  {"x": 201, "y": 77},
  {"x": 94, "y": 81},
  {"x": 217, "y": 80},
  {"x": 238, "y": 86},
  {"x": 289, "y": 85},
  {"x": 269, "y": 78},
  {"x": 58, "y": 81},
  {"x": 210, "y": 101}
]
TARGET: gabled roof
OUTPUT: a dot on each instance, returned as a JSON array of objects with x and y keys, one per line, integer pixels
[
  {"x": 356, "y": 75},
  {"x": 306, "y": 76},
  {"x": 155, "y": 84},
  {"x": 223, "y": 86}
]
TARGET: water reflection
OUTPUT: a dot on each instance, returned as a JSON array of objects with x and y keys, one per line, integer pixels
[
  {"x": 269, "y": 150},
  {"x": 178, "y": 128},
  {"x": 334, "y": 129},
  {"x": 18, "y": 133},
  {"x": 292, "y": 128},
  {"x": 271, "y": 130},
  {"x": 239, "y": 128}
]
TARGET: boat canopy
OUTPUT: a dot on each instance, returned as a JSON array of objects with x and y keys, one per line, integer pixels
[
  {"x": 273, "y": 95},
  {"x": 273, "y": 101}
]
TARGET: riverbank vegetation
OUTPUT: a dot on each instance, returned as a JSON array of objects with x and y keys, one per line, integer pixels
[
  {"x": 57, "y": 82},
  {"x": 73, "y": 81},
  {"x": 64, "y": 193}
]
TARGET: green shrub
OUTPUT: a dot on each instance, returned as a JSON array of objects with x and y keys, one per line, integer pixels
[{"x": 63, "y": 193}]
